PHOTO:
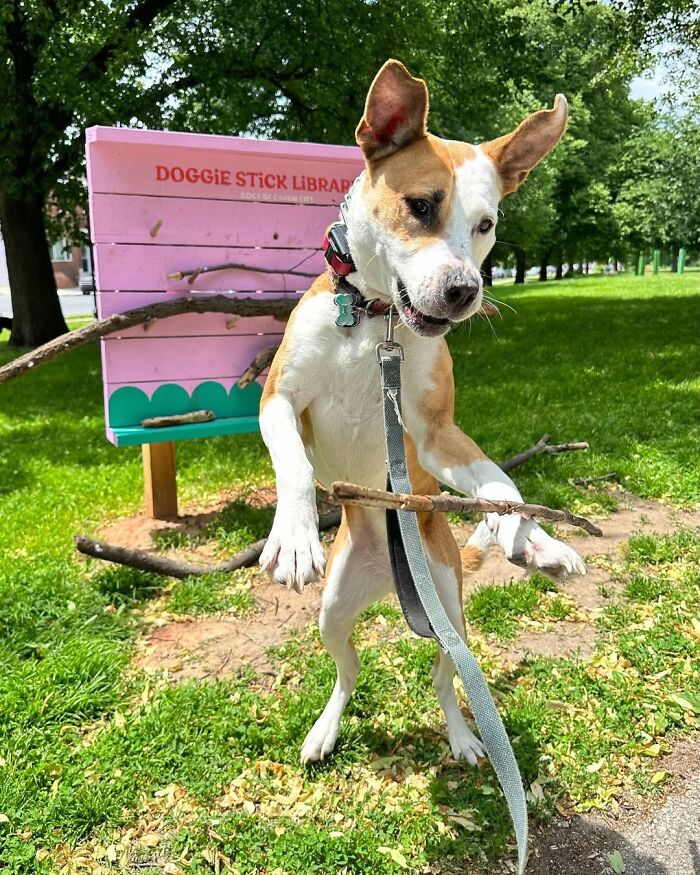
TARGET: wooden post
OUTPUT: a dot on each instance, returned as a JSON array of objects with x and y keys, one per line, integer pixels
[
  {"x": 159, "y": 480},
  {"x": 656, "y": 261}
]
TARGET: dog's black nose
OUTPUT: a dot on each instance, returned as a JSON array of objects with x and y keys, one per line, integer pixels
[{"x": 460, "y": 297}]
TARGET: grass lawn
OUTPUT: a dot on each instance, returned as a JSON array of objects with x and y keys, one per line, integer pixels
[{"x": 103, "y": 768}]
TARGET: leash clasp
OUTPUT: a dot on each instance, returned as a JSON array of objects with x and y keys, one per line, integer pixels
[{"x": 389, "y": 348}]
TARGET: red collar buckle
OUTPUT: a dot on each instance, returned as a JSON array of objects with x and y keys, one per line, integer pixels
[{"x": 336, "y": 249}]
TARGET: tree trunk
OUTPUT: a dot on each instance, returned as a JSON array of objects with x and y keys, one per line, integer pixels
[
  {"x": 543, "y": 268},
  {"x": 674, "y": 259},
  {"x": 36, "y": 310},
  {"x": 560, "y": 267},
  {"x": 487, "y": 271},
  {"x": 520, "y": 266}
]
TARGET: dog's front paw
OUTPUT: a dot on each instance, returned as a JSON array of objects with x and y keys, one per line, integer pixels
[
  {"x": 293, "y": 553},
  {"x": 528, "y": 545},
  {"x": 540, "y": 552}
]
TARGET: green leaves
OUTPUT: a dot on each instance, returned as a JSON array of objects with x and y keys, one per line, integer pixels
[{"x": 617, "y": 864}]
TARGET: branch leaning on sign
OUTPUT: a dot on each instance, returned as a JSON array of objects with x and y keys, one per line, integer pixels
[{"x": 280, "y": 308}]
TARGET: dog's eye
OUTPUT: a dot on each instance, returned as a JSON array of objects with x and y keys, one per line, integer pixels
[
  {"x": 485, "y": 226},
  {"x": 420, "y": 208}
]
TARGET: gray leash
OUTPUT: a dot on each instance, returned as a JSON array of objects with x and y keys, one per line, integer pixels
[{"x": 488, "y": 721}]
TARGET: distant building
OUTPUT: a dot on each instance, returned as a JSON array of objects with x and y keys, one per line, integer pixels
[{"x": 67, "y": 261}]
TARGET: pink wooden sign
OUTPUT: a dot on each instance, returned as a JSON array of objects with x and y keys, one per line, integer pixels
[{"x": 163, "y": 202}]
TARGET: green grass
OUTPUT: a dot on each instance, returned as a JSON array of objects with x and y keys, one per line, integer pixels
[
  {"x": 607, "y": 360},
  {"x": 497, "y": 609},
  {"x": 216, "y": 593},
  {"x": 91, "y": 748}
]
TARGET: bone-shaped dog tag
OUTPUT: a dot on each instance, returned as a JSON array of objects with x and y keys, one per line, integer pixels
[{"x": 348, "y": 317}]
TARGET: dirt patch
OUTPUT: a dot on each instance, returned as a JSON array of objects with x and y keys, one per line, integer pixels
[
  {"x": 216, "y": 647},
  {"x": 139, "y": 531},
  {"x": 592, "y": 591},
  {"x": 561, "y": 639}
]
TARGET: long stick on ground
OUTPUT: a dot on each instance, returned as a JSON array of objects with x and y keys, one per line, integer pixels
[
  {"x": 542, "y": 446},
  {"x": 280, "y": 308},
  {"x": 145, "y": 561},
  {"x": 350, "y": 493}
]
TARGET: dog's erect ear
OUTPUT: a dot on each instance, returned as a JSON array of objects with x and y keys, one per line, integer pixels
[
  {"x": 516, "y": 153},
  {"x": 396, "y": 112}
]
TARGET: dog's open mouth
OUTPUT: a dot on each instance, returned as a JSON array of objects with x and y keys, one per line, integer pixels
[{"x": 419, "y": 322}]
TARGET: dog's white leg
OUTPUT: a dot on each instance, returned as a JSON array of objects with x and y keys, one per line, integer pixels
[
  {"x": 293, "y": 552},
  {"x": 358, "y": 575},
  {"x": 524, "y": 542},
  {"x": 464, "y": 744}
]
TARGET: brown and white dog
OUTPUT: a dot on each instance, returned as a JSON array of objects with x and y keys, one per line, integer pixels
[{"x": 419, "y": 227}]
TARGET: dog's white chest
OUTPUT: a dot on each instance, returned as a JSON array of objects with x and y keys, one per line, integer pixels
[{"x": 345, "y": 440}]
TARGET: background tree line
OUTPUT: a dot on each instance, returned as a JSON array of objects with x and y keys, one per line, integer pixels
[{"x": 622, "y": 180}]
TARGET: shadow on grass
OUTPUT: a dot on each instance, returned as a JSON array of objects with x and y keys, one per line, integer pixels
[
  {"x": 233, "y": 528},
  {"x": 127, "y": 586}
]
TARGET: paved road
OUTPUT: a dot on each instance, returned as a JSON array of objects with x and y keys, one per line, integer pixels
[
  {"x": 73, "y": 303},
  {"x": 670, "y": 841}
]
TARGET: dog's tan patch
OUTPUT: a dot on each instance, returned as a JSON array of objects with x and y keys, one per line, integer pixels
[
  {"x": 445, "y": 439},
  {"x": 321, "y": 284}
]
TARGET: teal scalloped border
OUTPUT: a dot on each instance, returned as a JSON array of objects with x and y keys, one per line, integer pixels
[
  {"x": 129, "y": 405},
  {"x": 236, "y": 412}
]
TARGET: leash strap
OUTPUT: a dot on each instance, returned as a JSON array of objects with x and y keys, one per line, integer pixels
[{"x": 422, "y": 607}]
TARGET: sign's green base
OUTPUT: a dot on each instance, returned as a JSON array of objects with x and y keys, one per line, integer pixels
[{"x": 127, "y": 437}]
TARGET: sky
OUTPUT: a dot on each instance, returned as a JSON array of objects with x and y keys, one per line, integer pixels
[{"x": 648, "y": 87}]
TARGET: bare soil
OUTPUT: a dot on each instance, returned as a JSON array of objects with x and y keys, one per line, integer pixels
[{"x": 215, "y": 647}]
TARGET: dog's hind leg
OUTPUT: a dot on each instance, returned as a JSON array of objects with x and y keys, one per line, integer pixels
[
  {"x": 446, "y": 569},
  {"x": 358, "y": 574}
]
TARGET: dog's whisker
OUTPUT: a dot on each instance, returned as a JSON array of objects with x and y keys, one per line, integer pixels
[
  {"x": 493, "y": 330},
  {"x": 492, "y": 300}
]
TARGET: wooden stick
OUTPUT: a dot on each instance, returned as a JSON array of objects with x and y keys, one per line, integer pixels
[
  {"x": 194, "y": 272},
  {"x": 178, "y": 419},
  {"x": 258, "y": 306},
  {"x": 261, "y": 362},
  {"x": 542, "y": 446},
  {"x": 145, "y": 561},
  {"x": 351, "y": 493},
  {"x": 584, "y": 481}
]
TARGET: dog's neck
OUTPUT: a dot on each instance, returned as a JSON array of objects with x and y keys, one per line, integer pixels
[{"x": 370, "y": 277}]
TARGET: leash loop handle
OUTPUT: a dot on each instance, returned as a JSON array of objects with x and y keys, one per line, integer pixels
[{"x": 423, "y": 608}]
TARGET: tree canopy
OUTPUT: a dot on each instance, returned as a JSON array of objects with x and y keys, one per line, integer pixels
[{"x": 300, "y": 70}]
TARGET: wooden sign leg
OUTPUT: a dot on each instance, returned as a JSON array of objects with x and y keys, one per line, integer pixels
[{"x": 159, "y": 480}]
